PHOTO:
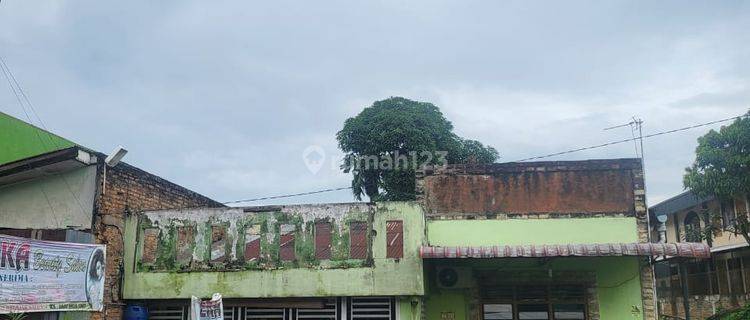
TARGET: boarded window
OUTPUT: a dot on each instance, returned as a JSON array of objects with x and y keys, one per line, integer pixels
[
  {"x": 218, "y": 243},
  {"x": 185, "y": 238},
  {"x": 150, "y": 245},
  {"x": 358, "y": 240},
  {"x": 395, "y": 239},
  {"x": 286, "y": 242},
  {"x": 252, "y": 243},
  {"x": 323, "y": 240}
]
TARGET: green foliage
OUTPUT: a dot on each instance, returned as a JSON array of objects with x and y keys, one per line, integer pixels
[
  {"x": 722, "y": 169},
  {"x": 398, "y": 128},
  {"x": 738, "y": 314},
  {"x": 722, "y": 162}
]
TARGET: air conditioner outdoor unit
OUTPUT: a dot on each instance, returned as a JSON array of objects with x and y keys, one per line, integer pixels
[{"x": 454, "y": 277}]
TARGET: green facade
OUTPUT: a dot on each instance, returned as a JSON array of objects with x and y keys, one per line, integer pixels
[
  {"x": 412, "y": 280},
  {"x": 304, "y": 277},
  {"x": 618, "y": 287},
  {"x": 21, "y": 140}
]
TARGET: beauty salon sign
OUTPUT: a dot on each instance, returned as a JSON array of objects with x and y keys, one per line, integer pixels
[{"x": 37, "y": 276}]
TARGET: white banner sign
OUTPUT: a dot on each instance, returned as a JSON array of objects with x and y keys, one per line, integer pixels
[
  {"x": 37, "y": 276},
  {"x": 207, "y": 309}
]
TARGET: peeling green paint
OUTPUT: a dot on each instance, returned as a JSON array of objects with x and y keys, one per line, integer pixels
[{"x": 270, "y": 277}]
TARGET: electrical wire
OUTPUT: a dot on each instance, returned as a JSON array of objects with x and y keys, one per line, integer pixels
[
  {"x": 520, "y": 160},
  {"x": 287, "y": 195},
  {"x": 631, "y": 139},
  {"x": 20, "y": 93}
]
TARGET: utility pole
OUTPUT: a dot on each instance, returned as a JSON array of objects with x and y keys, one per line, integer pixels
[{"x": 636, "y": 125}]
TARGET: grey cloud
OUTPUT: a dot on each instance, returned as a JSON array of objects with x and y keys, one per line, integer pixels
[{"x": 224, "y": 97}]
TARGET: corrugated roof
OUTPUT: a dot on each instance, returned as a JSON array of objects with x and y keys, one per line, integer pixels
[
  {"x": 682, "y": 249},
  {"x": 681, "y": 201}
]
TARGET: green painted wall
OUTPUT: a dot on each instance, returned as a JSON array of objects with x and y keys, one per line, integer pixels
[
  {"x": 386, "y": 277},
  {"x": 618, "y": 284},
  {"x": 531, "y": 231},
  {"x": 20, "y": 140},
  {"x": 410, "y": 307},
  {"x": 617, "y": 277}
]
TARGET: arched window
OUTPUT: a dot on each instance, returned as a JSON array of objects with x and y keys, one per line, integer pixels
[{"x": 692, "y": 227}]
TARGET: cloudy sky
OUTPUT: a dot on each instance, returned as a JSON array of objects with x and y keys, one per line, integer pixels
[{"x": 224, "y": 97}]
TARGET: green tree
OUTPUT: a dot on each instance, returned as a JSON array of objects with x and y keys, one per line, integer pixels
[
  {"x": 387, "y": 141},
  {"x": 722, "y": 169}
]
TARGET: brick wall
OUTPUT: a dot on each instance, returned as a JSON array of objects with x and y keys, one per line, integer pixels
[
  {"x": 129, "y": 189},
  {"x": 593, "y": 186},
  {"x": 701, "y": 307}
]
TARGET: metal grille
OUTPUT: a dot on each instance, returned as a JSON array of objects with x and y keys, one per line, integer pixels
[
  {"x": 361, "y": 308},
  {"x": 167, "y": 313},
  {"x": 265, "y": 314},
  {"x": 328, "y": 312},
  {"x": 368, "y": 308},
  {"x": 231, "y": 313}
]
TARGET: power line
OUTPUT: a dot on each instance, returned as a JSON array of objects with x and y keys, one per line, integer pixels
[
  {"x": 287, "y": 195},
  {"x": 631, "y": 139},
  {"x": 19, "y": 92},
  {"x": 521, "y": 160}
]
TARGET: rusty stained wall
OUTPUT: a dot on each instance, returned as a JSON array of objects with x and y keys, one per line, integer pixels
[
  {"x": 261, "y": 238},
  {"x": 571, "y": 187},
  {"x": 265, "y": 274}
]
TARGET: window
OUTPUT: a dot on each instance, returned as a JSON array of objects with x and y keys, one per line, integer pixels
[
  {"x": 358, "y": 240},
  {"x": 534, "y": 302},
  {"x": 533, "y": 312},
  {"x": 150, "y": 245},
  {"x": 395, "y": 239},
  {"x": 498, "y": 312},
  {"x": 218, "y": 243},
  {"x": 323, "y": 240},
  {"x": 252, "y": 243},
  {"x": 344, "y": 308},
  {"x": 185, "y": 240},
  {"x": 286, "y": 242},
  {"x": 372, "y": 308},
  {"x": 692, "y": 227},
  {"x": 569, "y": 312}
]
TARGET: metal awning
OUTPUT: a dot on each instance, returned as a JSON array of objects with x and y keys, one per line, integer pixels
[{"x": 681, "y": 249}]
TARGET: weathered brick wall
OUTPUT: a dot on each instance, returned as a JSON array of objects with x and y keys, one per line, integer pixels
[
  {"x": 701, "y": 307},
  {"x": 129, "y": 189},
  {"x": 594, "y": 186}
]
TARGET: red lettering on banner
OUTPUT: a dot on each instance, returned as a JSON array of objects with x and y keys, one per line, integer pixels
[
  {"x": 6, "y": 260},
  {"x": 22, "y": 256}
]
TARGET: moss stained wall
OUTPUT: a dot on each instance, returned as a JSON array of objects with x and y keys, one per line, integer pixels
[{"x": 269, "y": 276}]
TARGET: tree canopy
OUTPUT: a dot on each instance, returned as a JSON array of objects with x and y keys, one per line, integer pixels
[
  {"x": 722, "y": 162},
  {"x": 387, "y": 141},
  {"x": 722, "y": 169}
]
